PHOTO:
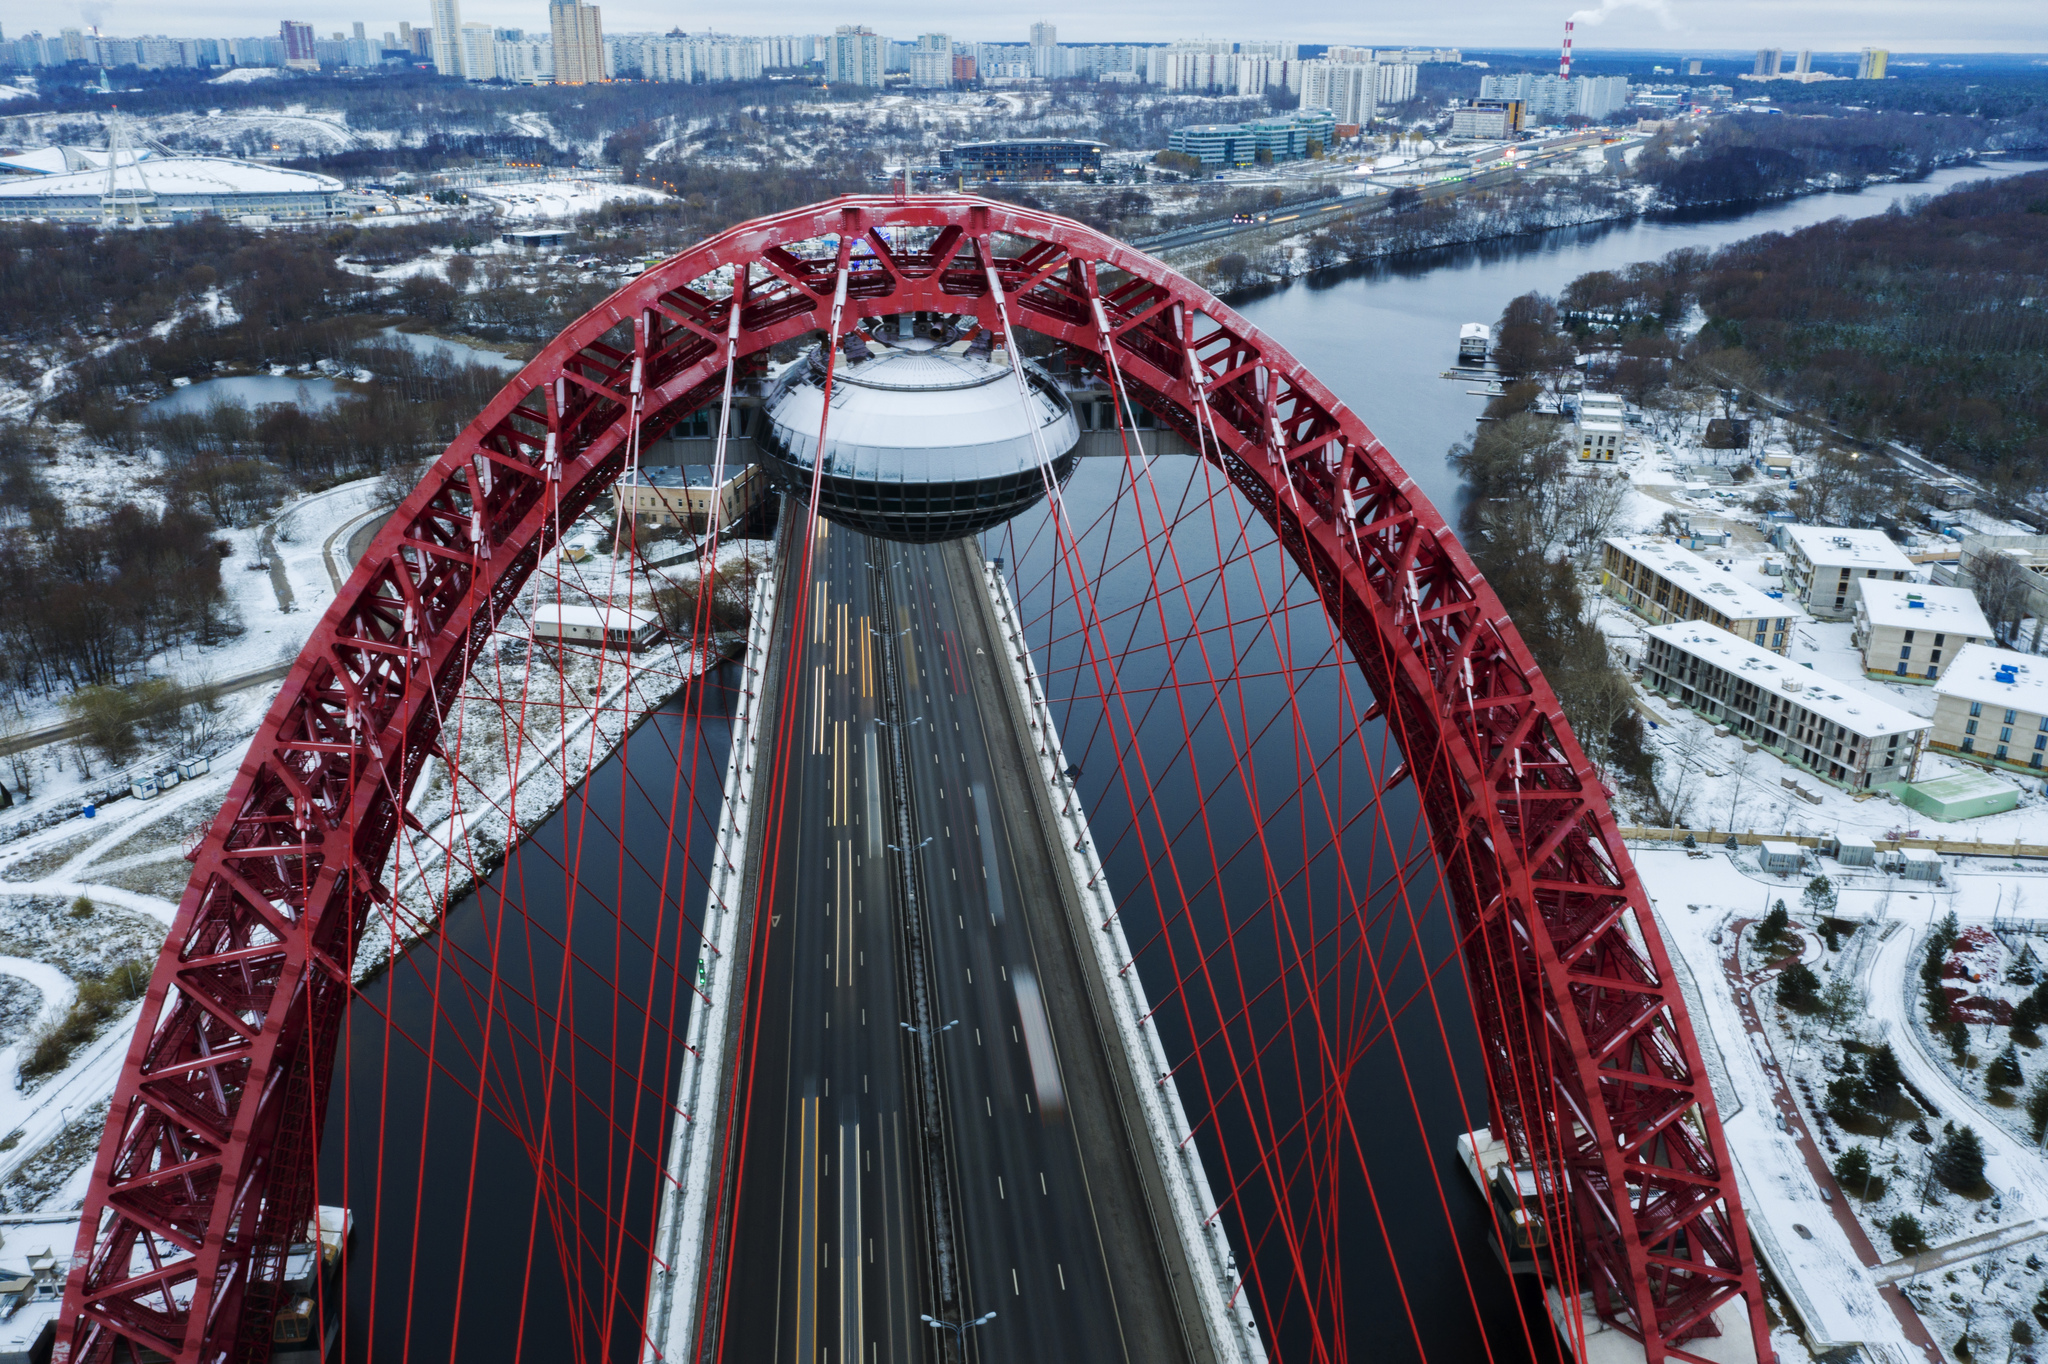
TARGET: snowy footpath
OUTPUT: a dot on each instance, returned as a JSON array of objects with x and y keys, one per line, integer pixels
[{"x": 1810, "y": 1243}]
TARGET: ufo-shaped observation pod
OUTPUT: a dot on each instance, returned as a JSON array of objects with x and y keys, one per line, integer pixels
[{"x": 923, "y": 443}]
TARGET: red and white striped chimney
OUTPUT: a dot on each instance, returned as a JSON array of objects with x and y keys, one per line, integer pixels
[{"x": 1564, "y": 63}]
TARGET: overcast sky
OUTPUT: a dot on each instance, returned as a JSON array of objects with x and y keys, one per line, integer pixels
[{"x": 1824, "y": 25}]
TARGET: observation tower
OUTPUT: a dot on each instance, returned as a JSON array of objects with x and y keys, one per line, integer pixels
[{"x": 926, "y": 440}]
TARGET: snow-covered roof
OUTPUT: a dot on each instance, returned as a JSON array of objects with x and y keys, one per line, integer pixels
[
  {"x": 1838, "y": 547},
  {"x": 1712, "y": 584},
  {"x": 679, "y": 475},
  {"x": 1599, "y": 421},
  {"x": 1924, "y": 606},
  {"x": 1997, "y": 677},
  {"x": 1604, "y": 402},
  {"x": 59, "y": 160},
  {"x": 177, "y": 175},
  {"x": 1857, "y": 711},
  {"x": 592, "y": 617},
  {"x": 915, "y": 414}
]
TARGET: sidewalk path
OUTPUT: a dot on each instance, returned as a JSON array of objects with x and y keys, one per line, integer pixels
[
  {"x": 1956, "y": 1252},
  {"x": 1785, "y": 1114}
]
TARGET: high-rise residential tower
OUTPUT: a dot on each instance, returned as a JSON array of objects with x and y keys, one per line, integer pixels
[
  {"x": 447, "y": 17},
  {"x": 298, "y": 45},
  {"x": 579, "y": 42},
  {"x": 853, "y": 56}
]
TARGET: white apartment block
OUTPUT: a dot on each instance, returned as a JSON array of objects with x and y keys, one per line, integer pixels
[
  {"x": 1843, "y": 736},
  {"x": 1551, "y": 97},
  {"x": 1349, "y": 92},
  {"x": 1991, "y": 707},
  {"x": 1663, "y": 583},
  {"x": 1192, "y": 66},
  {"x": 1256, "y": 75},
  {"x": 931, "y": 69},
  {"x": 659, "y": 57},
  {"x": 1397, "y": 82},
  {"x": 530, "y": 61},
  {"x": 1824, "y": 564},
  {"x": 853, "y": 56},
  {"x": 1481, "y": 125},
  {"x": 479, "y": 52},
  {"x": 1905, "y": 630},
  {"x": 1601, "y": 426}
]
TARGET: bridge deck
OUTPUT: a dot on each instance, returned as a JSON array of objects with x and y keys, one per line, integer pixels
[{"x": 1040, "y": 1196}]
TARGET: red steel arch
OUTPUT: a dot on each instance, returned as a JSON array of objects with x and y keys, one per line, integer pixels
[{"x": 204, "y": 1174}]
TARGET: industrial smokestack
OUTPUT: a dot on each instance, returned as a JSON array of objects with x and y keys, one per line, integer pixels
[{"x": 1564, "y": 63}]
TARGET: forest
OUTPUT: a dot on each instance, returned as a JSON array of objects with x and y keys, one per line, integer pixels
[
  {"x": 1927, "y": 325},
  {"x": 1747, "y": 157},
  {"x": 81, "y": 598}
]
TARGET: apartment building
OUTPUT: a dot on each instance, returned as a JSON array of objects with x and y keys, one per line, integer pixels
[
  {"x": 1845, "y": 737},
  {"x": 680, "y": 495},
  {"x": 1905, "y": 630},
  {"x": 1663, "y": 583},
  {"x": 1824, "y": 564},
  {"x": 1601, "y": 428},
  {"x": 1991, "y": 707}
]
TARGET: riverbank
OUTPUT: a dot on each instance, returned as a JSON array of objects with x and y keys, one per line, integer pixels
[{"x": 1277, "y": 258}]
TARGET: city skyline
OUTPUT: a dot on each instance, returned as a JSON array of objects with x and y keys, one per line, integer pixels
[{"x": 1984, "y": 26}]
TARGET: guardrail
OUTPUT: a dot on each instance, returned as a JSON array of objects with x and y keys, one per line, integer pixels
[
  {"x": 1222, "y": 1290},
  {"x": 1947, "y": 847},
  {"x": 686, "y": 1202}
]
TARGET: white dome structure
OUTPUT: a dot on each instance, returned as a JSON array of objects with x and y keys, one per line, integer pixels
[{"x": 923, "y": 443}]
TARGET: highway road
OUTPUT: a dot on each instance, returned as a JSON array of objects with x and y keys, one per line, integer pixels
[
  {"x": 1307, "y": 216},
  {"x": 1048, "y": 1193},
  {"x": 1031, "y": 1172},
  {"x": 1209, "y": 232},
  {"x": 833, "y": 1258}
]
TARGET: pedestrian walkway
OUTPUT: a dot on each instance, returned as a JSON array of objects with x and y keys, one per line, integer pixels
[{"x": 1957, "y": 1252}]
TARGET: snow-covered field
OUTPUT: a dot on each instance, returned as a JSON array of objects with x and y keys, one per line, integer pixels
[
  {"x": 294, "y": 128},
  {"x": 128, "y": 858},
  {"x": 543, "y": 200}
]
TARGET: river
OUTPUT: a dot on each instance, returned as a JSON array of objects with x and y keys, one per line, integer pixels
[{"x": 1380, "y": 337}]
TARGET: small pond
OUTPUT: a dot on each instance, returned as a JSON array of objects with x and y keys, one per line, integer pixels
[
  {"x": 249, "y": 390},
  {"x": 423, "y": 344}
]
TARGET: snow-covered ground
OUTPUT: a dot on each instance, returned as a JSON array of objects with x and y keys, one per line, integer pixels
[
  {"x": 542, "y": 200},
  {"x": 1771, "y": 1068},
  {"x": 127, "y": 859},
  {"x": 294, "y": 128},
  {"x": 242, "y": 75}
]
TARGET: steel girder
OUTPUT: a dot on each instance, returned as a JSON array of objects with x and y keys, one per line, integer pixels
[{"x": 203, "y": 1176}]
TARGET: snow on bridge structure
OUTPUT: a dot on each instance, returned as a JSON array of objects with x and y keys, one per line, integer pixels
[{"x": 206, "y": 1176}]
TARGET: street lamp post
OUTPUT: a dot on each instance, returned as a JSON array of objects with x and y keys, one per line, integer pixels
[{"x": 958, "y": 1328}]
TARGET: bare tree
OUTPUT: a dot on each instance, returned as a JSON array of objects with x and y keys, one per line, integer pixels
[
  {"x": 1590, "y": 508},
  {"x": 2002, "y": 584},
  {"x": 1738, "y": 777},
  {"x": 1677, "y": 767}
]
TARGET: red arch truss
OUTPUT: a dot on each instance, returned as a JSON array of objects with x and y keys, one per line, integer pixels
[{"x": 203, "y": 1177}]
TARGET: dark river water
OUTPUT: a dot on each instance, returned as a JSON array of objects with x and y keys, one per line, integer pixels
[{"x": 620, "y": 877}]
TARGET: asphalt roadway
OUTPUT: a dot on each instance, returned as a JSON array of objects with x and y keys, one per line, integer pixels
[{"x": 1028, "y": 1176}]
